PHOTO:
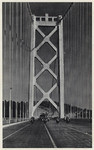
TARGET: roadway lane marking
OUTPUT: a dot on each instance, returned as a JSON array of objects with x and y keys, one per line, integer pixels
[
  {"x": 15, "y": 132},
  {"x": 53, "y": 143},
  {"x": 80, "y": 131}
]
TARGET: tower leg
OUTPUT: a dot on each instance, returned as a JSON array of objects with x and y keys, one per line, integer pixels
[
  {"x": 61, "y": 66},
  {"x": 31, "y": 96}
]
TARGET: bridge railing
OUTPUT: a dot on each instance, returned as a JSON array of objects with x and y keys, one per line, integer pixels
[
  {"x": 16, "y": 112},
  {"x": 78, "y": 113},
  {"x": 20, "y": 112}
]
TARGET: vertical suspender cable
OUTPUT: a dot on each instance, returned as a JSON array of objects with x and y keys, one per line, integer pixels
[
  {"x": 27, "y": 56},
  {"x": 18, "y": 57},
  {"x": 17, "y": 51},
  {"x": 23, "y": 55},
  {"x": 13, "y": 61},
  {"x": 3, "y": 37},
  {"x": 20, "y": 61},
  {"x": 77, "y": 44},
  {"x": 7, "y": 61},
  {"x": 81, "y": 51},
  {"x": 11, "y": 44},
  {"x": 22, "y": 58},
  {"x": 10, "y": 61},
  {"x": 23, "y": 30},
  {"x": 25, "y": 37},
  {"x": 67, "y": 62},
  {"x": 68, "y": 52},
  {"x": 74, "y": 55},
  {"x": 87, "y": 33},
  {"x": 16, "y": 46},
  {"x": 69, "y": 49},
  {"x": 11, "y": 27},
  {"x": 79, "y": 48},
  {"x": 4, "y": 53},
  {"x": 67, "y": 45},
  {"x": 74, "y": 48},
  {"x": 19, "y": 80},
  {"x": 72, "y": 33},
  {"x": 28, "y": 82},
  {"x": 24, "y": 78},
  {"x": 89, "y": 49},
  {"x": 83, "y": 35},
  {"x": 72, "y": 22},
  {"x": 89, "y": 28},
  {"x": 84, "y": 24},
  {"x": 89, "y": 7},
  {"x": 78, "y": 51},
  {"x": 26, "y": 53}
]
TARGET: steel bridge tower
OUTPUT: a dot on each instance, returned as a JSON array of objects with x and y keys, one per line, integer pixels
[{"x": 57, "y": 23}]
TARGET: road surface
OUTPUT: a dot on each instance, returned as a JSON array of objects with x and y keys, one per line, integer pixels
[{"x": 49, "y": 135}]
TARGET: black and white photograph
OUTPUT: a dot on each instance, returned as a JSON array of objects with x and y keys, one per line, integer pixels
[{"x": 47, "y": 74}]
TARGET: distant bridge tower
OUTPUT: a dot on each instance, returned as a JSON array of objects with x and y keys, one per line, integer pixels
[{"x": 57, "y": 23}]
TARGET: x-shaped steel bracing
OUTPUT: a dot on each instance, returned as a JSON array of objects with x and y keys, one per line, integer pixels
[{"x": 46, "y": 66}]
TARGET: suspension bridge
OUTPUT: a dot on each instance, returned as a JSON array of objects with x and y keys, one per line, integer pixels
[{"x": 47, "y": 69}]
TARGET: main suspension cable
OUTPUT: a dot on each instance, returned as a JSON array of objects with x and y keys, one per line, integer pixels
[{"x": 59, "y": 19}]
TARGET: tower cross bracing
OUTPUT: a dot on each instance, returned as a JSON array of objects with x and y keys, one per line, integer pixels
[{"x": 57, "y": 23}]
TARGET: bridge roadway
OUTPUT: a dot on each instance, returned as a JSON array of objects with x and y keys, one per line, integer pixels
[{"x": 49, "y": 135}]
